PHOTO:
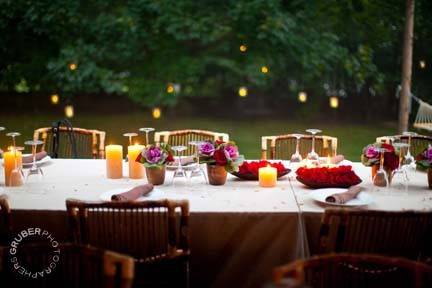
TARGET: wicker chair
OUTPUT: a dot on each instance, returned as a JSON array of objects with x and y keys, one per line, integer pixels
[
  {"x": 66, "y": 265},
  {"x": 89, "y": 143},
  {"x": 183, "y": 137},
  {"x": 283, "y": 146},
  {"x": 418, "y": 142},
  {"x": 353, "y": 270},
  {"x": 151, "y": 231},
  {"x": 5, "y": 220},
  {"x": 403, "y": 234}
]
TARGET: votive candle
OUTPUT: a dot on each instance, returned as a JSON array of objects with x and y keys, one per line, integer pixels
[
  {"x": 136, "y": 169},
  {"x": 267, "y": 176},
  {"x": 114, "y": 161},
  {"x": 12, "y": 160}
]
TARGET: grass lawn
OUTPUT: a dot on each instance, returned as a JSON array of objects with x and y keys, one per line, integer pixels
[{"x": 351, "y": 137}]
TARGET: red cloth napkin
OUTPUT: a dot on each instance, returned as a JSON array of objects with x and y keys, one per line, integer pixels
[
  {"x": 342, "y": 198},
  {"x": 29, "y": 158},
  {"x": 133, "y": 194}
]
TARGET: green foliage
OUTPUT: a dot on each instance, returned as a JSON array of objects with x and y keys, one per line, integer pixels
[{"x": 137, "y": 48}]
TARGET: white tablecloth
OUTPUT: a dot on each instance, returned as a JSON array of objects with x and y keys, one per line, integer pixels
[{"x": 239, "y": 231}]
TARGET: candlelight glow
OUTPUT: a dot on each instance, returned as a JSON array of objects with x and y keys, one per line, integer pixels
[
  {"x": 55, "y": 99},
  {"x": 302, "y": 97},
  {"x": 156, "y": 113},
  {"x": 264, "y": 69},
  {"x": 69, "y": 111},
  {"x": 243, "y": 92},
  {"x": 422, "y": 64},
  {"x": 243, "y": 48},
  {"x": 73, "y": 66},
  {"x": 334, "y": 102}
]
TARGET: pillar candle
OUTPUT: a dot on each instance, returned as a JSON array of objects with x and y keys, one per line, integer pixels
[
  {"x": 12, "y": 158},
  {"x": 267, "y": 176},
  {"x": 114, "y": 161},
  {"x": 136, "y": 169}
]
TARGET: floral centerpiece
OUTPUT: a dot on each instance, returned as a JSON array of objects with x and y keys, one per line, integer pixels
[
  {"x": 326, "y": 177},
  {"x": 424, "y": 163},
  {"x": 220, "y": 157},
  {"x": 371, "y": 157},
  {"x": 249, "y": 169},
  {"x": 154, "y": 159}
]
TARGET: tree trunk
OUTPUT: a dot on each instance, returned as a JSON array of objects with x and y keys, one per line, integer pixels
[{"x": 406, "y": 67}]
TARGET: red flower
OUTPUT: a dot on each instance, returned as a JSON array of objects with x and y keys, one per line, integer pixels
[
  {"x": 391, "y": 160},
  {"x": 220, "y": 158},
  {"x": 321, "y": 177},
  {"x": 219, "y": 142},
  {"x": 138, "y": 159},
  {"x": 251, "y": 168},
  {"x": 388, "y": 147},
  {"x": 170, "y": 157}
]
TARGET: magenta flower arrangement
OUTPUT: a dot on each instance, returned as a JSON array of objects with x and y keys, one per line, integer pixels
[
  {"x": 221, "y": 154},
  {"x": 424, "y": 159},
  {"x": 155, "y": 156}
]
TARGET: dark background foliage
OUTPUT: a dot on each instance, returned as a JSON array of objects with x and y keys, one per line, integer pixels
[{"x": 138, "y": 49}]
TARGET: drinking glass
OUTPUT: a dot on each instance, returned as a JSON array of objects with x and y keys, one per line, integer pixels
[
  {"x": 147, "y": 130},
  {"x": 198, "y": 170},
  {"x": 130, "y": 135},
  {"x": 313, "y": 156},
  {"x": 381, "y": 177},
  {"x": 409, "y": 159},
  {"x": 296, "y": 157},
  {"x": 35, "y": 173},
  {"x": 179, "y": 172},
  {"x": 400, "y": 175}
]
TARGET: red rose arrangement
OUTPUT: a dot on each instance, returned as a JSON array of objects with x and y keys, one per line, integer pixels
[
  {"x": 325, "y": 177},
  {"x": 249, "y": 170}
]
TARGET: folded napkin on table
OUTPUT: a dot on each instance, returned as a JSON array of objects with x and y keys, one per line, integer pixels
[
  {"x": 342, "y": 198},
  {"x": 337, "y": 159},
  {"x": 29, "y": 158},
  {"x": 133, "y": 194},
  {"x": 186, "y": 160}
]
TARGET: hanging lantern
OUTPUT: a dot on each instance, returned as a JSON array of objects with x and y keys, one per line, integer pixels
[
  {"x": 170, "y": 88},
  {"x": 334, "y": 102},
  {"x": 73, "y": 66},
  {"x": 243, "y": 48},
  {"x": 156, "y": 113},
  {"x": 55, "y": 99},
  {"x": 69, "y": 111},
  {"x": 302, "y": 97},
  {"x": 243, "y": 92}
]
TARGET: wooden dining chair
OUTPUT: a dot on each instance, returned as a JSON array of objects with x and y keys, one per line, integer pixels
[
  {"x": 152, "y": 232},
  {"x": 5, "y": 220},
  {"x": 283, "y": 146},
  {"x": 393, "y": 233},
  {"x": 353, "y": 270},
  {"x": 183, "y": 137},
  {"x": 417, "y": 145},
  {"x": 65, "y": 265},
  {"x": 88, "y": 143}
]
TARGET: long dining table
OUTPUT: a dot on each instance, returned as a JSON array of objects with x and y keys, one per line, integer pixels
[{"x": 239, "y": 231}]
